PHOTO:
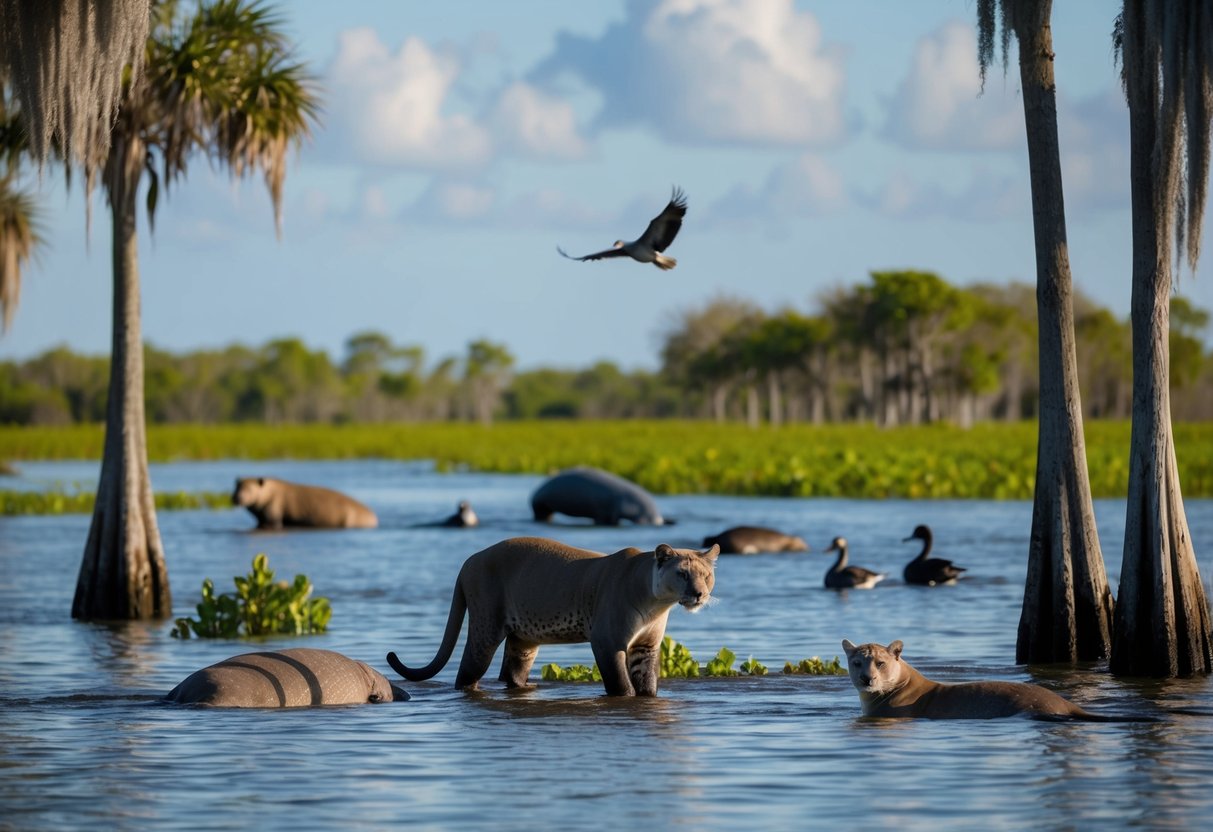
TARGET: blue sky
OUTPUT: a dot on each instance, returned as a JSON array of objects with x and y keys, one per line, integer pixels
[{"x": 463, "y": 141}]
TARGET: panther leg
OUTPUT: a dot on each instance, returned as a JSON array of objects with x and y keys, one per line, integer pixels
[
  {"x": 613, "y": 665},
  {"x": 644, "y": 668},
  {"x": 482, "y": 643},
  {"x": 517, "y": 661}
]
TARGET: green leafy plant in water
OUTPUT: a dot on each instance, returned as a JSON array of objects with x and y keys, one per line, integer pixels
[
  {"x": 574, "y": 673},
  {"x": 722, "y": 664},
  {"x": 677, "y": 661},
  {"x": 816, "y": 667},
  {"x": 260, "y": 607},
  {"x": 753, "y": 667}
]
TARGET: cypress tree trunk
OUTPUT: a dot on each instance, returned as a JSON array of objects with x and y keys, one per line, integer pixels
[
  {"x": 774, "y": 398},
  {"x": 1162, "y": 625},
  {"x": 123, "y": 573},
  {"x": 1067, "y": 606}
]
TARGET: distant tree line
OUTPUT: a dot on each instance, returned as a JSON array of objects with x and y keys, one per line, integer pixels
[
  {"x": 909, "y": 348},
  {"x": 904, "y": 348}
]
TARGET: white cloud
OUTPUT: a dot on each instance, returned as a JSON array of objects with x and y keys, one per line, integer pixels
[
  {"x": 374, "y": 203},
  {"x": 803, "y": 187},
  {"x": 712, "y": 71},
  {"x": 1094, "y": 137},
  {"x": 551, "y": 208},
  {"x": 401, "y": 109},
  {"x": 988, "y": 197},
  {"x": 939, "y": 104},
  {"x": 394, "y": 109},
  {"x": 534, "y": 124},
  {"x": 451, "y": 200}
]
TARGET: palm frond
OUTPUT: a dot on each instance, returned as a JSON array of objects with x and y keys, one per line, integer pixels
[{"x": 19, "y": 237}]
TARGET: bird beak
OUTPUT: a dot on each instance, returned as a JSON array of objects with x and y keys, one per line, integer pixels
[{"x": 907, "y": 539}]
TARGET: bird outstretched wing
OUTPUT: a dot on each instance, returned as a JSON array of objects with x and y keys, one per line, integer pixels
[
  {"x": 598, "y": 255},
  {"x": 663, "y": 228}
]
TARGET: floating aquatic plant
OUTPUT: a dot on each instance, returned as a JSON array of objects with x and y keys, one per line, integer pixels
[{"x": 261, "y": 606}]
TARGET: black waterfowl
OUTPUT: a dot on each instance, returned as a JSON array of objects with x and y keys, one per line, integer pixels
[
  {"x": 928, "y": 571},
  {"x": 841, "y": 576},
  {"x": 464, "y": 517}
]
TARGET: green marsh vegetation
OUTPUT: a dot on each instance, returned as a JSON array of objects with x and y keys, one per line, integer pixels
[
  {"x": 678, "y": 663},
  {"x": 987, "y": 461},
  {"x": 80, "y": 502}
]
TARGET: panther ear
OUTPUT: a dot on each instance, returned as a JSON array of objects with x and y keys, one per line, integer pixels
[
  {"x": 711, "y": 554},
  {"x": 260, "y": 480},
  {"x": 664, "y": 552},
  {"x": 848, "y": 647},
  {"x": 895, "y": 649}
]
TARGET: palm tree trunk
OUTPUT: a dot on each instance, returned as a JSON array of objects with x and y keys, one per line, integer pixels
[
  {"x": 1162, "y": 625},
  {"x": 1067, "y": 606},
  {"x": 123, "y": 573}
]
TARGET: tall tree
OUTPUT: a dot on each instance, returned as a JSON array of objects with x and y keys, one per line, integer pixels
[
  {"x": 1162, "y": 617},
  {"x": 1067, "y": 606},
  {"x": 692, "y": 352},
  {"x": 218, "y": 82},
  {"x": 486, "y": 372}
]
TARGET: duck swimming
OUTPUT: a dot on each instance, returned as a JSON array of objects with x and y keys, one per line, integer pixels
[
  {"x": 841, "y": 576},
  {"x": 464, "y": 517},
  {"x": 928, "y": 571}
]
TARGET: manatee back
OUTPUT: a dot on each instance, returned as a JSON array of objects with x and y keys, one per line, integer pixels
[
  {"x": 591, "y": 492},
  {"x": 297, "y": 677}
]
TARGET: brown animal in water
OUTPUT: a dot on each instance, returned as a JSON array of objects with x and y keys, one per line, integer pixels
[
  {"x": 750, "y": 540},
  {"x": 298, "y": 677},
  {"x": 889, "y": 687},
  {"x": 529, "y": 591},
  {"x": 279, "y": 504}
]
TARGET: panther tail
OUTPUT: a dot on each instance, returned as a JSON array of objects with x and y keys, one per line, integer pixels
[{"x": 454, "y": 623}]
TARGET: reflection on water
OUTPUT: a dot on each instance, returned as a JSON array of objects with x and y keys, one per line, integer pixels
[{"x": 85, "y": 743}]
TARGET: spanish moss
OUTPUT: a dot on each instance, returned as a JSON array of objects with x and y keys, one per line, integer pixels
[{"x": 65, "y": 60}]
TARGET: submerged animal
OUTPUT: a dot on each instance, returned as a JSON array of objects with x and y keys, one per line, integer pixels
[
  {"x": 603, "y": 497},
  {"x": 890, "y": 687},
  {"x": 529, "y": 591},
  {"x": 279, "y": 504},
  {"x": 298, "y": 677},
  {"x": 463, "y": 516},
  {"x": 656, "y": 238},
  {"x": 841, "y": 576},
  {"x": 750, "y": 540},
  {"x": 925, "y": 570}
]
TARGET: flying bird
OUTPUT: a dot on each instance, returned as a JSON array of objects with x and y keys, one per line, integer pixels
[{"x": 656, "y": 238}]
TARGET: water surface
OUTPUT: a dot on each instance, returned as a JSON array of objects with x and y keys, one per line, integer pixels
[{"x": 85, "y": 744}]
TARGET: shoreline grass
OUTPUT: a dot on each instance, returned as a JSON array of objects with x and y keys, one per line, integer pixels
[
  {"x": 16, "y": 503},
  {"x": 988, "y": 461}
]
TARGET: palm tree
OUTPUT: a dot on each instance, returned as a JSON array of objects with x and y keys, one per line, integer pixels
[
  {"x": 1067, "y": 606},
  {"x": 217, "y": 82},
  {"x": 1162, "y": 625},
  {"x": 19, "y": 235},
  {"x": 65, "y": 61}
]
